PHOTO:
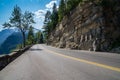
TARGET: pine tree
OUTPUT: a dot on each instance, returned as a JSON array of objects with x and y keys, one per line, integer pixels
[
  {"x": 41, "y": 38},
  {"x": 20, "y": 21},
  {"x": 47, "y": 17},
  {"x": 30, "y": 38},
  {"x": 54, "y": 17},
  {"x": 51, "y": 20},
  {"x": 61, "y": 11},
  {"x": 71, "y": 4},
  {"x": 37, "y": 36}
]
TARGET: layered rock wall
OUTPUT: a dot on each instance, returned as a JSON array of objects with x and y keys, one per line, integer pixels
[{"x": 89, "y": 26}]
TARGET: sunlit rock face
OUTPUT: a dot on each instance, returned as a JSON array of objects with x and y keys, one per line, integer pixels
[{"x": 90, "y": 26}]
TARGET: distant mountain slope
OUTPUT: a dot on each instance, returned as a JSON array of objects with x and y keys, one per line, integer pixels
[
  {"x": 11, "y": 43},
  {"x": 5, "y": 34}
]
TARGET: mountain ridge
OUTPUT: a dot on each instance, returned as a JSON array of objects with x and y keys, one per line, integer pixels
[
  {"x": 11, "y": 43},
  {"x": 4, "y": 34}
]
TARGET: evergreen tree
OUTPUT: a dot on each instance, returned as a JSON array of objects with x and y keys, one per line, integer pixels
[
  {"x": 20, "y": 21},
  {"x": 37, "y": 36},
  {"x": 51, "y": 20},
  {"x": 41, "y": 38},
  {"x": 27, "y": 21},
  {"x": 71, "y": 4},
  {"x": 30, "y": 38},
  {"x": 16, "y": 21},
  {"x": 46, "y": 26},
  {"x": 54, "y": 17},
  {"x": 61, "y": 11},
  {"x": 47, "y": 17}
]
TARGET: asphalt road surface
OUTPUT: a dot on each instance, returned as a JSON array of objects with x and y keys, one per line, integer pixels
[{"x": 43, "y": 62}]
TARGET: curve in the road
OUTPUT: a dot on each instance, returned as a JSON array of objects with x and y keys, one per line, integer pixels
[{"x": 85, "y": 61}]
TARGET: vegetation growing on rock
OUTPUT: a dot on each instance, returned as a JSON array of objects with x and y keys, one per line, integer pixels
[{"x": 86, "y": 24}]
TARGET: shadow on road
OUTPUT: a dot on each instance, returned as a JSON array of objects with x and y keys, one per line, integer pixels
[{"x": 35, "y": 49}]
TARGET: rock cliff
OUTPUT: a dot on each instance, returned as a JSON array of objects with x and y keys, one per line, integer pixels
[{"x": 90, "y": 26}]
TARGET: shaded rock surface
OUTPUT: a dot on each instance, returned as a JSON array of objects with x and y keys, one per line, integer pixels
[{"x": 90, "y": 26}]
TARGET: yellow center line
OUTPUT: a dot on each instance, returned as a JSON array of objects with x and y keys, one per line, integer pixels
[{"x": 85, "y": 61}]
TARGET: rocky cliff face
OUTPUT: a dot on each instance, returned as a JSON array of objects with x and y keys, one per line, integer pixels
[{"x": 90, "y": 26}]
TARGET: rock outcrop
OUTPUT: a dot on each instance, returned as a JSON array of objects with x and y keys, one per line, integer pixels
[{"x": 90, "y": 26}]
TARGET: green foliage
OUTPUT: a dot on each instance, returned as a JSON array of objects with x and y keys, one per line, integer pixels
[
  {"x": 71, "y": 4},
  {"x": 16, "y": 17},
  {"x": 20, "y": 21},
  {"x": 51, "y": 20},
  {"x": 38, "y": 37},
  {"x": 19, "y": 46},
  {"x": 46, "y": 27},
  {"x": 111, "y": 4},
  {"x": 54, "y": 17},
  {"x": 30, "y": 38},
  {"x": 47, "y": 17},
  {"x": 61, "y": 11},
  {"x": 27, "y": 20},
  {"x": 41, "y": 38},
  {"x": 66, "y": 6},
  {"x": 6, "y": 25}
]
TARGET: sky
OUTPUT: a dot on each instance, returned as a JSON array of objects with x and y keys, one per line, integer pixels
[{"x": 38, "y": 7}]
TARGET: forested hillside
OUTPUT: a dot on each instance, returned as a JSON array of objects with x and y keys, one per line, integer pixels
[
  {"x": 4, "y": 34},
  {"x": 11, "y": 43}
]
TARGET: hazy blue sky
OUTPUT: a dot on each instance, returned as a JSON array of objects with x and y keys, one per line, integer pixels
[{"x": 38, "y": 7}]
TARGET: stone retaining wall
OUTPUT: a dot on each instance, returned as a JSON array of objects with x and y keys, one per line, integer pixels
[{"x": 6, "y": 59}]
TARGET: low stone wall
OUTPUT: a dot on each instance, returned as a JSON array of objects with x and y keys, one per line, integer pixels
[{"x": 6, "y": 59}]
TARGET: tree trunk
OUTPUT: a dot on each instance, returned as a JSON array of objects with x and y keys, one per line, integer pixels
[{"x": 23, "y": 35}]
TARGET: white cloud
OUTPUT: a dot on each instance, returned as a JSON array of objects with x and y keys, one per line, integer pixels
[
  {"x": 1, "y": 27},
  {"x": 39, "y": 18},
  {"x": 39, "y": 23},
  {"x": 50, "y": 4},
  {"x": 40, "y": 13}
]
